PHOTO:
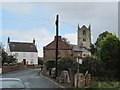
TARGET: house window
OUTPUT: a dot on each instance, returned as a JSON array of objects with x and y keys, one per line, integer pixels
[
  {"x": 16, "y": 55},
  {"x": 13, "y": 45}
]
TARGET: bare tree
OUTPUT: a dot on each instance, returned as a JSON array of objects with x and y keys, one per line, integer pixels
[{"x": 65, "y": 40}]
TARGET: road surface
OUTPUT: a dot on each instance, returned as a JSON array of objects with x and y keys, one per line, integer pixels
[{"x": 31, "y": 78}]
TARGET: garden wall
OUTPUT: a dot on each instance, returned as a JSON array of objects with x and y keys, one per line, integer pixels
[{"x": 15, "y": 68}]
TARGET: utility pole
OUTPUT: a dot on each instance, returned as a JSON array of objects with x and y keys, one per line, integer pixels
[{"x": 56, "y": 73}]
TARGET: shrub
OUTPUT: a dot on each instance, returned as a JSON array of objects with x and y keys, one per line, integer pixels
[
  {"x": 92, "y": 65},
  {"x": 50, "y": 63},
  {"x": 66, "y": 62},
  {"x": 5, "y": 64},
  {"x": 19, "y": 64},
  {"x": 40, "y": 62}
]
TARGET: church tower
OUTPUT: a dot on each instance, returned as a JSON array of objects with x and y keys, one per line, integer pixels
[{"x": 84, "y": 36}]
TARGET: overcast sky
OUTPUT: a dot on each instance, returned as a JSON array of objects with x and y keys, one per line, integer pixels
[
  {"x": 119, "y": 19},
  {"x": 25, "y": 21}
]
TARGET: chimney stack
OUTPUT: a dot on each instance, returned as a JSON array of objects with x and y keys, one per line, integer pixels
[
  {"x": 8, "y": 39},
  {"x": 59, "y": 38},
  {"x": 89, "y": 26},
  {"x": 33, "y": 40}
]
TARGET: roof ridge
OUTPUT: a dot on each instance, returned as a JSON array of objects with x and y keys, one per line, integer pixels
[{"x": 22, "y": 47}]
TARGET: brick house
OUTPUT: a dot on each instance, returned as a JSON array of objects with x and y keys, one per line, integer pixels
[
  {"x": 78, "y": 52},
  {"x": 64, "y": 49}
]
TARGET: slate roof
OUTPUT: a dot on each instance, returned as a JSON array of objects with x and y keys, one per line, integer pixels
[
  {"x": 79, "y": 48},
  {"x": 22, "y": 47}
]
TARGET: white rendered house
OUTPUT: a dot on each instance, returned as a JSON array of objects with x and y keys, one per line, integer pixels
[{"x": 24, "y": 52}]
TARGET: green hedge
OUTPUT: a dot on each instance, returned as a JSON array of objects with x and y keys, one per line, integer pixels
[
  {"x": 40, "y": 62},
  {"x": 50, "y": 63}
]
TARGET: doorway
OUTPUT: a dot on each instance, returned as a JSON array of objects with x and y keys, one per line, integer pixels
[{"x": 24, "y": 61}]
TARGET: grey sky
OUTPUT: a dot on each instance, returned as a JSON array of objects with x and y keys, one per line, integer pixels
[
  {"x": 103, "y": 16},
  {"x": 119, "y": 19}
]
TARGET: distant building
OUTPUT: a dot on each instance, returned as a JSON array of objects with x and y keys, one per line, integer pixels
[
  {"x": 79, "y": 51},
  {"x": 82, "y": 49},
  {"x": 64, "y": 49},
  {"x": 84, "y": 36},
  {"x": 24, "y": 52}
]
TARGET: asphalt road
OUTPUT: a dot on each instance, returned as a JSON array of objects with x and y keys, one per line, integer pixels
[{"x": 31, "y": 78}]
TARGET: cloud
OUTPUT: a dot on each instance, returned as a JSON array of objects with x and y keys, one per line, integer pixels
[
  {"x": 72, "y": 38},
  {"x": 82, "y": 11},
  {"x": 0, "y": 32},
  {"x": 19, "y": 8},
  {"x": 102, "y": 15},
  {"x": 42, "y": 37},
  {"x": 0, "y": 35}
]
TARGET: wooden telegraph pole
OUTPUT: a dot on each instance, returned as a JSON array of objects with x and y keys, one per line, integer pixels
[{"x": 56, "y": 73}]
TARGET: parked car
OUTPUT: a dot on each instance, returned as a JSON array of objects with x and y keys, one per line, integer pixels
[{"x": 11, "y": 83}]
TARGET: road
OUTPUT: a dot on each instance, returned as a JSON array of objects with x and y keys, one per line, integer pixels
[{"x": 31, "y": 78}]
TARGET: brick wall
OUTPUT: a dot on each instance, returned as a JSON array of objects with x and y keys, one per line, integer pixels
[
  {"x": 12, "y": 68},
  {"x": 81, "y": 81},
  {"x": 88, "y": 79},
  {"x": 63, "y": 48},
  {"x": 15, "y": 68}
]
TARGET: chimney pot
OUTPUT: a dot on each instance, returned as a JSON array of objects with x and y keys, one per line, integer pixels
[
  {"x": 59, "y": 38},
  {"x": 8, "y": 39}
]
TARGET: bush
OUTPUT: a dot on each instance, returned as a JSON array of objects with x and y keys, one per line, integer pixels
[
  {"x": 109, "y": 55},
  {"x": 40, "y": 62},
  {"x": 93, "y": 66},
  {"x": 19, "y": 64},
  {"x": 5, "y": 64},
  {"x": 66, "y": 63},
  {"x": 50, "y": 63}
]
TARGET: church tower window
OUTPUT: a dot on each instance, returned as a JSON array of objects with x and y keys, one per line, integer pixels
[
  {"x": 84, "y": 40},
  {"x": 84, "y": 36},
  {"x": 84, "y": 32}
]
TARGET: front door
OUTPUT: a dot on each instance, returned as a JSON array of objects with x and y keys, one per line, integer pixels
[{"x": 24, "y": 61}]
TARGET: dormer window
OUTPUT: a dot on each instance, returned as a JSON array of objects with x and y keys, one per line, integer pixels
[
  {"x": 31, "y": 46},
  {"x": 13, "y": 45}
]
